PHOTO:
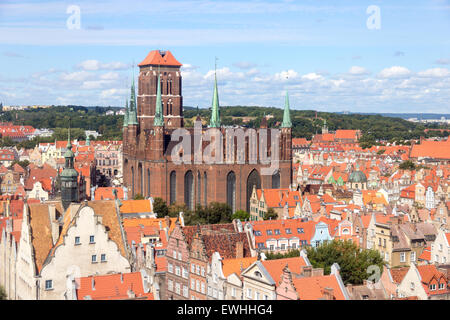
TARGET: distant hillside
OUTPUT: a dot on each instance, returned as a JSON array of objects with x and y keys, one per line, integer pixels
[{"x": 305, "y": 123}]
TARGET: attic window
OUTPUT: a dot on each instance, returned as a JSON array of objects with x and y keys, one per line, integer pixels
[
  {"x": 269, "y": 232},
  {"x": 258, "y": 274}
]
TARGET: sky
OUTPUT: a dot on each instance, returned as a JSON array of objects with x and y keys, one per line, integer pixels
[{"x": 344, "y": 55}]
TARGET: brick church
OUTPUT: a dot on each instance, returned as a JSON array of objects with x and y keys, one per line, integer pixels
[{"x": 152, "y": 117}]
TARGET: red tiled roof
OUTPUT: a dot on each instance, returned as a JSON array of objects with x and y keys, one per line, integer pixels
[
  {"x": 312, "y": 288},
  {"x": 432, "y": 149},
  {"x": 275, "y": 267},
  {"x": 346, "y": 134},
  {"x": 155, "y": 58},
  {"x": 106, "y": 193},
  {"x": 112, "y": 287}
]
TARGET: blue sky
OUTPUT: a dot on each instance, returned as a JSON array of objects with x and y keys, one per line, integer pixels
[{"x": 323, "y": 52}]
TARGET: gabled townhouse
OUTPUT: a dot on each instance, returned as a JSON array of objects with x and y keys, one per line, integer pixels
[
  {"x": 442, "y": 216},
  {"x": 426, "y": 282},
  {"x": 51, "y": 238},
  {"x": 391, "y": 278},
  {"x": 408, "y": 243},
  {"x": 261, "y": 278},
  {"x": 231, "y": 271},
  {"x": 311, "y": 284},
  {"x": 282, "y": 201},
  {"x": 10, "y": 235},
  {"x": 440, "y": 249},
  {"x": 321, "y": 234},
  {"x": 189, "y": 253}
]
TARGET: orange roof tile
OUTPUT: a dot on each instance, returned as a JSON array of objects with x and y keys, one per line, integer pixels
[
  {"x": 230, "y": 266},
  {"x": 112, "y": 287},
  {"x": 312, "y": 288},
  {"x": 136, "y": 206},
  {"x": 275, "y": 267},
  {"x": 155, "y": 58}
]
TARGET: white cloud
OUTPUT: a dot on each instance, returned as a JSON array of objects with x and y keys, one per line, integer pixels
[
  {"x": 312, "y": 76},
  {"x": 356, "y": 70},
  {"x": 110, "y": 76},
  {"x": 76, "y": 76},
  {"x": 394, "y": 72},
  {"x": 434, "y": 73},
  {"x": 94, "y": 65}
]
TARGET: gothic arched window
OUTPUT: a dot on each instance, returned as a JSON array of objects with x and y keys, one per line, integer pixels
[
  {"x": 173, "y": 186},
  {"x": 189, "y": 190},
  {"x": 231, "y": 190}
]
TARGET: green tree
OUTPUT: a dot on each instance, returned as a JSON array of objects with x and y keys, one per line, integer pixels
[
  {"x": 160, "y": 207},
  {"x": 270, "y": 215},
  {"x": 407, "y": 165},
  {"x": 175, "y": 209},
  {"x": 138, "y": 196},
  {"x": 353, "y": 261},
  {"x": 278, "y": 255},
  {"x": 241, "y": 215},
  {"x": 23, "y": 163}
]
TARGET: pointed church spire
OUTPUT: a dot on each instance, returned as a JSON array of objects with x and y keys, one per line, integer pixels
[
  {"x": 215, "y": 115},
  {"x": 159, "y": 119},
  {"x": 287, "y": 114},
  {"x": 132, "y": 116}
]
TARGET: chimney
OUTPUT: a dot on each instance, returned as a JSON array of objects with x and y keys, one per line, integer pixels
[
  {"x": 93, "y": 283},
  {"x": 167, "y": 219},
  {"x": 307, "y": 271},
  {"x": 181, "y": 215},
  {"x": 239, "y": 249},
  {"x": 131, "y": 294},
  {"x": 317, "y": 272},
  {"x": 328, "y": 294}
]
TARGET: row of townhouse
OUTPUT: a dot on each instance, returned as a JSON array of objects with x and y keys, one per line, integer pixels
[
  {"x": 422, "y": 282},
  {"x": 37, "y": 254}
]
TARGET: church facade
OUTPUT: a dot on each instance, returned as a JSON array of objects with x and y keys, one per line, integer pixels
[{"x": 155, "y": 117}]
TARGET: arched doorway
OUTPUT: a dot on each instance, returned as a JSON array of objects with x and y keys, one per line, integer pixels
[
  {"x": 189, "y": 190},
  {"x": 253, "y": 179},
  {"x": 231, "y": 190}
]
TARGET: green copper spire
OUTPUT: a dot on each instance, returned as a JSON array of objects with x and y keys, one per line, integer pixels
[
  {"x": 287, "y": 114},
  {"x": 125, "y": 117},
  {"x": 132, "y": 116},
  {"x": 215, "y": 115},
  {"x": 159, "y": 119}
]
